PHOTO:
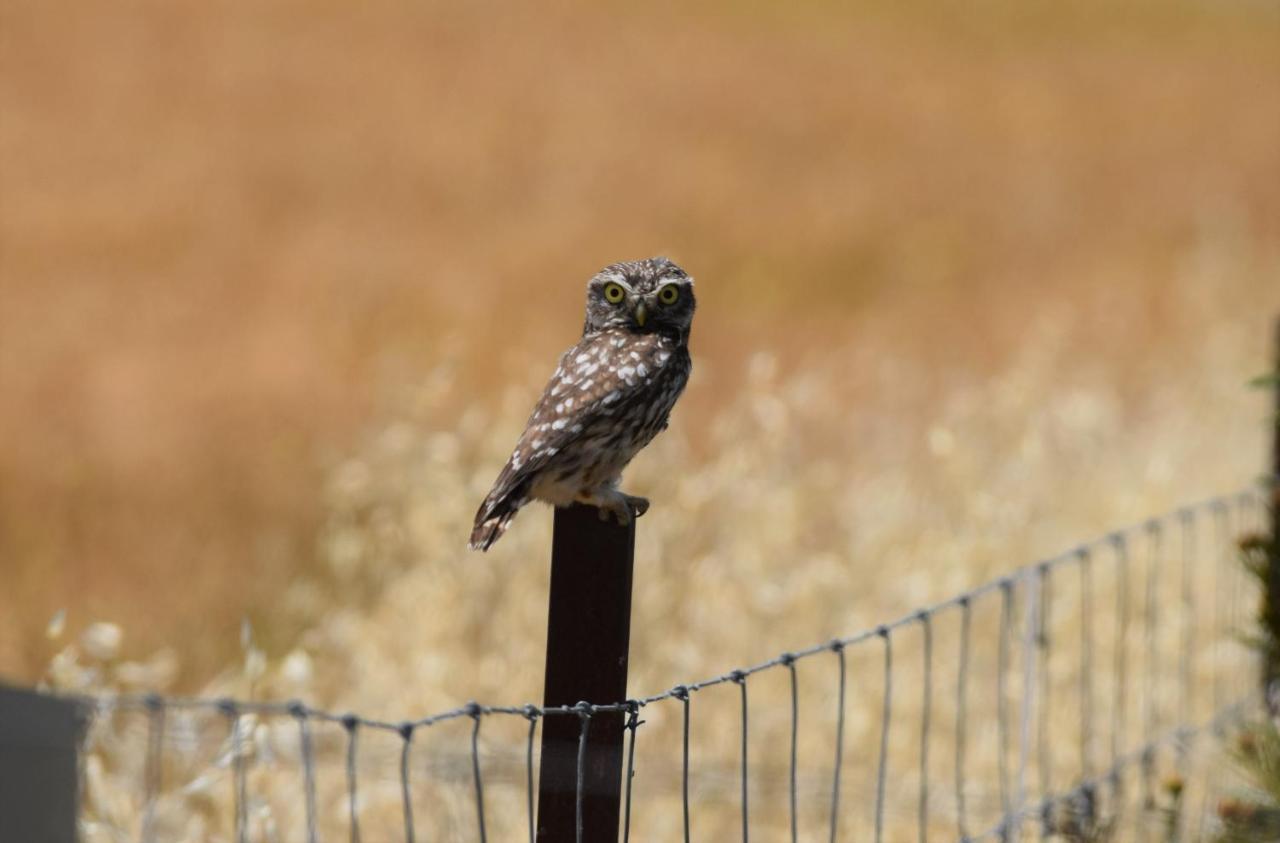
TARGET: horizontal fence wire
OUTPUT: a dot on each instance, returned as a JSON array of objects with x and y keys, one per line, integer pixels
[{"x": 1059, "y": 698}]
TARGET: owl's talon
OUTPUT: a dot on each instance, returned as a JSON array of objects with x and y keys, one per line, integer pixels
[
  {"x": 614, "y": 508},
  {"x": 638, "y": 506}
]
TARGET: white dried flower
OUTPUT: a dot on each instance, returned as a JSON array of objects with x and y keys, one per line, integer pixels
[
  {"x": 297, "y": 668},
  {"x": 66, "y": 673},
  {"x": 156, "y": 673},
  {"x": 102, "y": 641},
  {"x": 255, "y": 663},
  {"x": 57, "y": 625}
]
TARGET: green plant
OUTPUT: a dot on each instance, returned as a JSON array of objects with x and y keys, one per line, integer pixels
[{"x": 1254, "y": 815}]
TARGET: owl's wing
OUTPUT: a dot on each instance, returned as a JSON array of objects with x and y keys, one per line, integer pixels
[{"x": 595, "y": 378}]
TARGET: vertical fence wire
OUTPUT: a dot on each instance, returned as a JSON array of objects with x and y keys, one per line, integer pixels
[
  {"x": 153, "y": 771},
  {"x": 790, "y": 661},
  {"x": 1085, "y": 562},
  {"x": 306, "y": 751},
  {"x": 531, "y": 714},
  {"x": 584, "y": 713},
  {"x": 1186, "y": 707},
  {"x": 1044, "y": 750},
  {"x": 633, "y": 724},
  {"x": 962, "y": 718},
  {"x": 886, "y": 717},
  {"x": 838, "y": 648},
  {"x": 1002, "y": 694},
  {"x": 406, "y": 793},
  {"x": 926, "y": 704},
  {"x": 1221, "y": 621},
  {"x": 682, "y": 693},
  {"x": 1155, "y": 538},
  {"x": 741, "y": 680},
  {"x": 1031, "y": 593},
  {"x": 239, "y": 787},
  {"x": 352, "y": 724},
  {"x": 1120, "y": 699},
  {"x": 475, "y": 771}
]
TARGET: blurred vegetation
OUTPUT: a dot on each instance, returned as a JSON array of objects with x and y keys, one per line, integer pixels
[
  {"x": 231, "y": 234},
  {"x": 1253, "y": 816},
  {"x": 278, "y": 285}
]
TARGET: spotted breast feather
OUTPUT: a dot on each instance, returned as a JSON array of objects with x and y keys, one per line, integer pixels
[{"x": 610, "y": 395}]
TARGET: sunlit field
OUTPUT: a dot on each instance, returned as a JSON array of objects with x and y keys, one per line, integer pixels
[{"x": 279, "y": 285}]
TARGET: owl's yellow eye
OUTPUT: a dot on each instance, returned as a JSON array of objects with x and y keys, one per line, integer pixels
[
  {"x": 613, "y": 293},
  {"x": 669, "y": 294}
]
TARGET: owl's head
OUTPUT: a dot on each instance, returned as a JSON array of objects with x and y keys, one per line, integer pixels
[{"x": 648, "y": 296}]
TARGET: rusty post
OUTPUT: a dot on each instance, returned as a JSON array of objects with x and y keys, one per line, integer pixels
[{"x": 588, "y": 636}]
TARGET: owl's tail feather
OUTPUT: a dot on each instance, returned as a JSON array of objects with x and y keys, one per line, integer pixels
[{"x": 492, "y": 522}]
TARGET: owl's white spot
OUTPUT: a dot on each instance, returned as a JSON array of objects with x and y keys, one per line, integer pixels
[
  {"x": 641, "y": 370},
  {"x": 612, "y": 396},
  {"x": 560, "y": 407},
  {"x": 585, "y": 385},
  {"x": 516, "y": 462},
  {"x": 591, "y": 370},
  {"x": 536, "y": 444},
  {"x": 568, "y": 402},
  {"x": 582, "y": 358},
  {"x": 635, "y": 355},
  {"x": 627, "y": 372},
  {"x": 663, "y": 356},
  {"x": 577, "y": 428},
  {"x": 619, "y": 342},
  {"x": 558, "y": 424}
]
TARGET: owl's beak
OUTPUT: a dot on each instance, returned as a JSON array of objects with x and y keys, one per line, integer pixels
[{"x": 641, "y": 313}]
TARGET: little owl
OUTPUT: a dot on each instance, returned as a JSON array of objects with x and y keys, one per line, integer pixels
[{"x": 608, "y": 398}]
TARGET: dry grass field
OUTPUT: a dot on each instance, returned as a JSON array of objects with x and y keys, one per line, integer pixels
[{"x": 279, "y": 283}]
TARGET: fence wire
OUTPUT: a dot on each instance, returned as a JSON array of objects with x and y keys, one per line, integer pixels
[{"x": 1076, "y": 698}]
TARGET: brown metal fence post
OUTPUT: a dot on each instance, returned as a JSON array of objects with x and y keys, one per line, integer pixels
[{"x": 588, "y": 634}]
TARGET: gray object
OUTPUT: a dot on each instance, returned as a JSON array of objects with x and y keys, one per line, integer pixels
[{"x": 39, "y": 774}]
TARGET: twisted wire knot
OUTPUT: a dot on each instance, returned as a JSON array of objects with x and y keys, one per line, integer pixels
[{"x": 633, "y": 715}]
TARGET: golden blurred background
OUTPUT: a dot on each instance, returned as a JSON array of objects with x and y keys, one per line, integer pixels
[{"x": 240, "y": 241}]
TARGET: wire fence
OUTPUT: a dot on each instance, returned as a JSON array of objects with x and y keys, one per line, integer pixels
[{"x": 1078, "y": 698}]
